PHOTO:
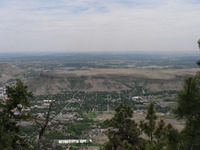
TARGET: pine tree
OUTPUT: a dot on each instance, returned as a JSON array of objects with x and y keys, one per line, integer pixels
[
  {"x": 198, "y": 42},
  {"x": 11, "y": 114},
  {"x": 149, "y": 127},
  {"x": 160, "y": 135},
  {"x": 188, "y": 108},
  {"x": 122, "y": 132}
]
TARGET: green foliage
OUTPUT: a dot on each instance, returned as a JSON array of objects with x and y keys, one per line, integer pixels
[
  {"x": 173, "y": 138},
  {"x": 188, "y": 108},
  {"x": 188, "y": 99},
  {"x": 169, "y": 100},
  {"x": 149, "y": 127},
  {"x": 91, "y": 115},
  {"x": 11, "y": 114},
  {"x": 18, "y": 99},
  {"x": 160, "y": 135},
  {"x": 57, "y": 135},
  {"x": 162, "y": 109},
  {"x": 198, "y": 62},
  {"x": 73, "y": 83},
  {"x": 122, "y": 132},
  {"x": 78, "y": 128}
]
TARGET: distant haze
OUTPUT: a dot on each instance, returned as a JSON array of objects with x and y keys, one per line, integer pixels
[{"x": 99, "y": 25}]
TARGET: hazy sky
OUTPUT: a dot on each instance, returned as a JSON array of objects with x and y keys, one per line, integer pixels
[{"x": 99, "y": 25}]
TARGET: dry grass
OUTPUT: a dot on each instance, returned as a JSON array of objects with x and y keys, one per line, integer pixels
[
  {"x": 153, "y": 74},
  {"x": 141, "y": 116},
  {"x": 109, "y": 80}
]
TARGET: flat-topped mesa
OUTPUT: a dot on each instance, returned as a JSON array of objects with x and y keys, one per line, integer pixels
[
  {"x": 108, "y": 80},
  {"x": 53, "y": 75}
]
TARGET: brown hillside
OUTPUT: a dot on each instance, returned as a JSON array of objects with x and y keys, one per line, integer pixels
[
  {"x": 109, "y": 80},
  {"x": 8, "y": 71}
]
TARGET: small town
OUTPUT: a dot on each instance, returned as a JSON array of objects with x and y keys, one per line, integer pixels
[{"x": 99, "y": 75}]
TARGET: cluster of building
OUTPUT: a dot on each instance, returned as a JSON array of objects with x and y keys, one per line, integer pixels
[{"x": 141, "y": 100}]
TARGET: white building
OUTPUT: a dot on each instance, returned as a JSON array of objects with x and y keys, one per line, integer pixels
[{"x": 71, "y": 141}]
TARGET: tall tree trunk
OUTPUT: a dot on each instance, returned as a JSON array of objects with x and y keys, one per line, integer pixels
[{"x": 43, "y": 128}]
